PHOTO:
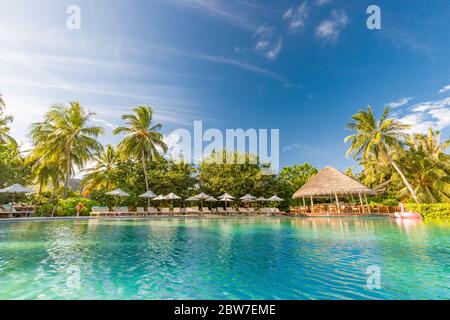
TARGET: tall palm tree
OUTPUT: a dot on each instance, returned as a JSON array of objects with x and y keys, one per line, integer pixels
[
  {"x": 5, "y": 121},
  {"x": 2, "y": 102},
  {"x": 430, "y": 144},
  {"x": 381, "y": 139},
  {"x": 143, "y": 137},
  {"x": 66, "y": 132},
  {"x": 101, "y": 174},
  {"x": 428, "y": 167}
]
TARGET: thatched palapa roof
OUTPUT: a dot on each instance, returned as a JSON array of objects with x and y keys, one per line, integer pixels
[{"x": 330, "y": 181}]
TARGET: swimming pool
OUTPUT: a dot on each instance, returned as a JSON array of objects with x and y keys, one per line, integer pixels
[{"x": 261, "y": 258}]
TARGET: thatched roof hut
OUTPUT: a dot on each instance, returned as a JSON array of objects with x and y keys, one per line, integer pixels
[{"x": 331, "y": 182}]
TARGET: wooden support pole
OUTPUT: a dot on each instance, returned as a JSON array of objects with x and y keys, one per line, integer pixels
[
  {"x": 337, "y": 202},
  {"x": 367, "y": 203}
]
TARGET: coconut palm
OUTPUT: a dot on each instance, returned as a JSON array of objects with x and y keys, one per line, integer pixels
[
  {"x": 428, "y": 167},
  {"x": 381, "y": 139},
  {"x": 2, "y": 102},
  {"x": 430, "y": 144},
  {"x": 66, "y": 132},
  {"x": 143, "y": 139},
  {"x": 101, "y": 174},
  {"x": 5, "y": 121}
]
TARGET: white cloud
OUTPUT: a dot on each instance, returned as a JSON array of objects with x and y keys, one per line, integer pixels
[
  {"x": 429, "y": 114},
  {"x": 331, "y": 28},
  {"x": 399, "y": 103},
  {"x": 296, "y": 16},
  {"x": 267, "y": 43},
  {"x": 322, "y": 2},
  {"x": 445, "y": 89}
]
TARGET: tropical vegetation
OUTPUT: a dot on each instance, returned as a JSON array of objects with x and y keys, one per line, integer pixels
[{"x": 415, "y": 168}]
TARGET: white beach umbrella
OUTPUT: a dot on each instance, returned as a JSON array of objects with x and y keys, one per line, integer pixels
[
  {"x": 261, "y": 199},
  {"x": 202, "y": 196},
  {"x": 248, "y": 198},
  {"x": 226, "y": 198},
  {"x": 191, "y": 199},
  {"x": 275, "y": 199},
  {"x": 159, "y": 198},
  {"x": 16, "y": 189},
  {"x": 211, "y": 199},
  {"x": 148, "y": 195},
  {"x": 171, "y": 196},
  {"x": 117, "y": 193}
]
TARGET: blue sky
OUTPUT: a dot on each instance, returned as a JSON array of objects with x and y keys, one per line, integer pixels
[{"x": 303, "y": 67}]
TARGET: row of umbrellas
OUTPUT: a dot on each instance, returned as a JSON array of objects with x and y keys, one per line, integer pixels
[
  {"x": 200, "y": 197},
  {"x": 19, "y": 189}
]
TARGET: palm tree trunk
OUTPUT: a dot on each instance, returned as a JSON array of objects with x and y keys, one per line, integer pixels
[
  {"x": 69, "y": 169},
  {"x": 405, "y": 181},
  {"x": 144, "y": 166}
]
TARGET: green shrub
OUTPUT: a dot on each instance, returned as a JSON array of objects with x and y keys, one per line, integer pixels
[
  {"x": 438, "y": 210},
  {"x": 67, "y": 207}
]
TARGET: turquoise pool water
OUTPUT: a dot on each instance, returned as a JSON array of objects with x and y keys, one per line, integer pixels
[{"x": 267, "y": 258}]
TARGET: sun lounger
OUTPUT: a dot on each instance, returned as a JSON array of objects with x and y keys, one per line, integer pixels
[
  {"x": 140, "y": 211},
  {"x": 231, "y": 211},
  {"x": 221, "y": 211},
  {"x": 243, "y": 211},
  {"x": 206, "y": 210},
  {"x": 191, "y": 210},
  {"x": 101, "y": 211},
  {"x": 152, "y": 211},
  {"x": 177, "y": 211},
  {"x": 122, "y": 211},
  {"x": 165, "y": 211}
]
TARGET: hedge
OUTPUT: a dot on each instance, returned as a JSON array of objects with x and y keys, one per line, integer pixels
[{"x": 438, "y": 210}]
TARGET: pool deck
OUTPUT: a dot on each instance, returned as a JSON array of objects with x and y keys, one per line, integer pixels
[{"x": 159, "y": 217}]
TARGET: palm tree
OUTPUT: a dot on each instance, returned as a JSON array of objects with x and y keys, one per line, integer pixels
[
  {"x": 4, "y": 129},
  {"x": 428, "y": 167},
  {"x": 2, "y": 102},
  {"x": 101, "y": 174},
  {"x": 380, "y": 139},
  {"x": 430, "y": 144},
  {"x": 66, "y": 132},
  {"x": 142, "y": 137}
]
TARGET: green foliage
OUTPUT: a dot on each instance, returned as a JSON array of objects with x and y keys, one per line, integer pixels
[
  {"x": 12, "y": 167},
  {"x": 63, "y": 140},
  {"x": 383, "y": 201},
  {"x": 429, "y": 211},
  {"x": 67, "y": 207}
]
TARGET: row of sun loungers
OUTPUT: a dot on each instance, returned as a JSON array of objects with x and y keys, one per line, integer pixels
[
  {"x": 17, "y": 211},
  {"x": 123, "y": 211}
]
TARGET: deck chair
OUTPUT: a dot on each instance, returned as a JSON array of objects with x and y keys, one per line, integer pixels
[
  {"x": 152, "y": 211},
  {"x": 231, "y": 211},
  {"x": 121, "y": 211},
  {"x": 221, "y": 211},
  {"x": 206, "y": 210},
  {"x": 165, "y": 211},
  {"x": 243, "y": 211},
  {"x": 177, "y": 211}
]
